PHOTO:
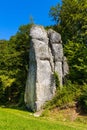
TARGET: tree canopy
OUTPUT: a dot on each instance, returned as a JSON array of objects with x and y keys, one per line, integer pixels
[
  {"x": 71, "y": 21},
  {"x": 14, "y": 65}
]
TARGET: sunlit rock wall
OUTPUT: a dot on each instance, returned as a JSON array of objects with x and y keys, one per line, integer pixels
[{"x": 45, "y": 58}]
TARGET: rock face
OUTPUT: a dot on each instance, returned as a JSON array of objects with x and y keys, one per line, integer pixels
[
  {"x": 45, "y": 58},
  {"x": 57, "y": 52}
]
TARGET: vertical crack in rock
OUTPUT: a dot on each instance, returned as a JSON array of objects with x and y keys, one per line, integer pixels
[
  {"x": 57, "y": 52},
  {"x": 45, "y": 58}
]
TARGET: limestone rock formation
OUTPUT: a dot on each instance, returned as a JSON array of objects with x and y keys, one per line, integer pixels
[
  {"x": 45, "y": 58},
  {"x": 57, "y": 52}
]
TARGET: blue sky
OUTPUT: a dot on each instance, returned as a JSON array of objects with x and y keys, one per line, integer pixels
[{"x": 14, "y": 13}]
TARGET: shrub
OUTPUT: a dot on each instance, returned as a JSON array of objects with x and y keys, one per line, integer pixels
[
  {"x": 56, "y": 77},
  {"x": 65, "y": 96},
  {"x": 82, "y": 100}
]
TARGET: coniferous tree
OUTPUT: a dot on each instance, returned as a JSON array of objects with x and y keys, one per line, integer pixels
[{"x": 71, "y": 22}]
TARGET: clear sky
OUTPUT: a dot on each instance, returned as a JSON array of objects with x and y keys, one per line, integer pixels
[{"x": 14, "y": 13}]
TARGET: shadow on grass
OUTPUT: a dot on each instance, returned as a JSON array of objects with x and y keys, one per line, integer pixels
[{"x": 16, "y": 107}]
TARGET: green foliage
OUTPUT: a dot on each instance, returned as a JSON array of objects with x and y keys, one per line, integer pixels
[
  {"x": 65, "y": 97},
  {"x": 71, "y": 20},
  {"x": 55, "y": 13},
  {"x": 56, "y": 79},
  {"x": 14, "y": 66},
  {"x": 82, "y": 100},
  {"x": 76, "y": 54},
  {"x": 68, "y": 96}
]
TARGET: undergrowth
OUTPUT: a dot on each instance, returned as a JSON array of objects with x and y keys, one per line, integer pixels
[{"x": 68, "y": 96}]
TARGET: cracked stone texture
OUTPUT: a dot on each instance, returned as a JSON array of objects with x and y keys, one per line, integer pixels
[{"x": 45, "y": 58}]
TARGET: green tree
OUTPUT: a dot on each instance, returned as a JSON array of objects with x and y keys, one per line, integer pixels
[
  {"x": 77, "y": 60},
  {"x": 71, "y": 20},
  {"x": 14, "y": 65}
]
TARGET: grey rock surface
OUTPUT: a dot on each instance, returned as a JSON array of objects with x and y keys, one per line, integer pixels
[
  {"x": 45, "y": 58},
  {"x": 54, "y": 37},
  {"x": 57, "y": 51},
  {"x": 65, "y": 69}
]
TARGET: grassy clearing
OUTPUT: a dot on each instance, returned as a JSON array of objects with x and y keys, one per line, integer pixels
[{"x": 11, "y": 119}]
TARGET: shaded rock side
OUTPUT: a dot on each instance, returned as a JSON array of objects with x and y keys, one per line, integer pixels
[{"x": 45, "y": 58}]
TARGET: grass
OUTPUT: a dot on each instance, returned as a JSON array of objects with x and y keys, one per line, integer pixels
[
  {"x": 69, "y": 117},
  {"x": 11, "y": 119}
]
